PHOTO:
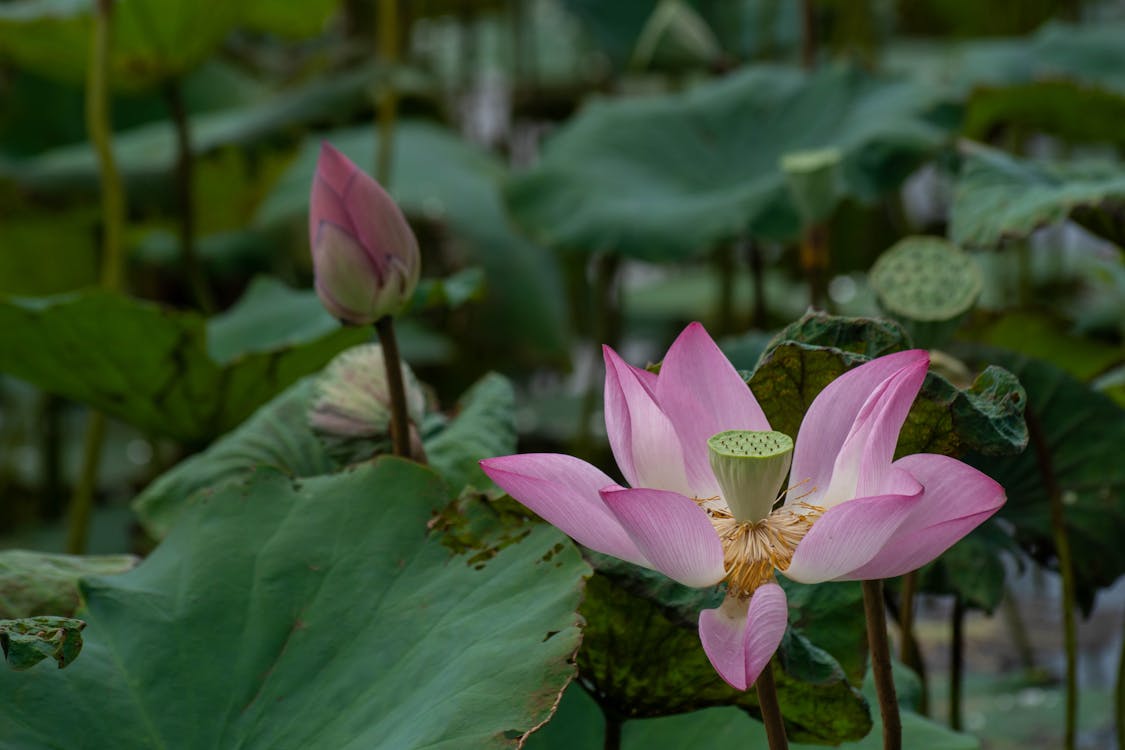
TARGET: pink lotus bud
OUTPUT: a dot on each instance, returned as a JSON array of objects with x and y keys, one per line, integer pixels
[{"x": 364, "y": 253}]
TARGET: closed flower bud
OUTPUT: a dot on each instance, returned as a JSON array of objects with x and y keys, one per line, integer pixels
[
  {"x": 351, "y": 411},
  {"x": 364, "y": 252}
]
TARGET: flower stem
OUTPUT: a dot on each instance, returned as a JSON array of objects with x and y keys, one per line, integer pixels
[
  {"x": 400, "y": 424},
  {"x": 956, "y": 662},
  {"x": 808, "y": 34},
  {"x": 909, "y": 653},
  {"x": 881, "y": 663},
  {"x": 814, "y": 262},
  {"x": 1066, "y": 570},
  {"x": 771, "y": 709},
  {"x": 611, "y": 740},
  {"x": 758, "y": 280},
  {"x": 387, "y": 32},
  {"x": 100, "y": 133},
  {"x": 185, "y": 168}
]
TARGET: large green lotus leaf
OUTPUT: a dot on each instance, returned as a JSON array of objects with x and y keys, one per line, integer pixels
[
  {"x": 147, "y": 154},
  {"x": 985, "y": 416},
  {"x": 153, "y": 40},
  {"x": 437, "y": 176},
  {"x": 580, "y": 725},
  {"x": 278, "y": 436},
  {"x": 48, "y": 253},
  {"x": 663, "y": 177},
  {"x": 290, "y": 18},
  {"x": 41, "y": 583},
  {"x": 1000, "y": 197},
  {"x": 314, "y": 615},
  {"x": 1043, "y": 337},
  {"x": 1083, "y": 432},
  {"x": 156, "y": 368},
  {"x": 28, "y": 641},
  {"x": 642, "y": 656}
]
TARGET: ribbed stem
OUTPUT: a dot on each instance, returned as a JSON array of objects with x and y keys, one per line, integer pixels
[
  {"x": 771, "y": 709},
  {"x": 82, "y": 502},
  {"x": 876, "y": 616},
  {"x": 956, "y": 662},
  {"x": 1066, "y": 570},
  {"x": 100, "y": 130},
  {"x": 909, "y": 653},
  {"x": 400, "y": 422},
  {"x": 611, "y": 740},
  {"x": 185, "y": 192}
]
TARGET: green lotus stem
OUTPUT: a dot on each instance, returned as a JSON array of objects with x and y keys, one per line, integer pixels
[
  {"x": 876, "y": 617},
  {"x": 758, "y": 280},
  {"x": 956, "y": 662},
  {"x": 771, "y": 709},
  {"x": 814, "y": 262},
  {"x": 387, "y": 33},
  {"x": 400, "y": 422},
  {"x": 100, "y": 132},
  {"x": 909, "y": 653},
  {"x": 611, "y": 739},
  {"x": 1017, "y": 630},
  {"x": 1066, "y": 570},
  {"x": 808, "y": 34},
  {"x": 605, "y": 322},
  {"x": 185, "y": 189},
  {"x": 725, "y": 270}
]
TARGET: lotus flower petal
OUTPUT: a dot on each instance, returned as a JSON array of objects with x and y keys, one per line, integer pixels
[
  {"x": 672, "y": 532},
  {"x": 704, "y": 395},
  {"x": 563, "y": 490},
  {"x": 956, "y": 499},
  {"x": 850, "y": 534},
  {"x": 844, "y": 437},
  {"x": 739, "y": 639},
  {"x": 642, "y": 437}
]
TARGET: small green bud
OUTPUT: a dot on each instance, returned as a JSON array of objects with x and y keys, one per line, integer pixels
[
  {"x": 813, "y": 178},
  {"x": 750, "y": 467}
]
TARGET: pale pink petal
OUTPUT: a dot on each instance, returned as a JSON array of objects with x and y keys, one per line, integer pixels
[
  {"x": 326, "y": 204},
  {"x": 564, "y": 491},
  {"x": 956, "y": 499},
  {"x": 722, "y": 632},
  {"x": 672, "y": 532},
  {"x": 702, "y": 393},
  {"x": 765, "y": 627},
  {"x": 642, "y": 437},
  {"x": 857, "y": 415},
  {"x": 740, "y": 638},
  {"x": 849, "y": 535}
]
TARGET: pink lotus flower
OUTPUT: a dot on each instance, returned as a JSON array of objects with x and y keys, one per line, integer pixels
[
  {"x": 364, "y": 253},
  {"x": 700, "y": 509}
]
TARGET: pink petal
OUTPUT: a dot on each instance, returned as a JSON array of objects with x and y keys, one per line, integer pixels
[
  {"x": 850, "y": 534},
  {"x": 642, "y": 437},
  {"x": 702, "y": 393},
  {"x": 739, "y": 639},
  {"x": 563, "y": 490},
  {"x": 956, "y": 499},
  {"x": 846, "y": 432},
  {"x": 672, "y": 532},
  {"x": 326, "y": 203}
]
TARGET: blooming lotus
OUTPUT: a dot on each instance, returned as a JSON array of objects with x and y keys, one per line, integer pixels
[
  {"x": 364, "y": 253},
  {"x": 705, "y": 474}
]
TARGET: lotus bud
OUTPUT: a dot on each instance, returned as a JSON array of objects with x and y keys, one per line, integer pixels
[
  {"x": 351, "y": 409},
  {"x": 364, "y": 253},
  {"x": 750, "y": 467}
]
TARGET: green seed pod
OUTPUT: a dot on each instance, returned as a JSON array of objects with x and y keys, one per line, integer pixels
[
  {"x": 927, "y": 283},
  {"x": 750, "y": 467}
]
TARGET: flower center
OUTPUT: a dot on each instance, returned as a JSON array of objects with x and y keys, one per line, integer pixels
[{"x": 753, "y": 549}]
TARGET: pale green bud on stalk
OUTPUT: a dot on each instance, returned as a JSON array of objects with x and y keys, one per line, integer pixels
[
  {"x": 813, "y": 178},
  {"x": 750, "y": 468},
  {"x": 351, "y": 412}
]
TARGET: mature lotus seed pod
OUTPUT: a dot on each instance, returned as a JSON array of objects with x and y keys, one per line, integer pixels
[
  {"x": 351, "y": 411},
  {"x": 927, "y": 283}
]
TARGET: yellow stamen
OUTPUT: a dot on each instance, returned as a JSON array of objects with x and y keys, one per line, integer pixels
[{"x": 752, "y": 550}]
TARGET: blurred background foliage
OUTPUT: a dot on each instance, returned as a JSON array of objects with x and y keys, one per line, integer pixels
[{"x": 583, "y": 172}]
